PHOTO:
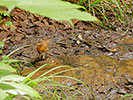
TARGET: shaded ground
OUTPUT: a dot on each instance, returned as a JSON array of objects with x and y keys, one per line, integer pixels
[{"x": 105, "y": 56}]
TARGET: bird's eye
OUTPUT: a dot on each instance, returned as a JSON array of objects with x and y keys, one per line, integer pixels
[{"x": 41, "y": 43}]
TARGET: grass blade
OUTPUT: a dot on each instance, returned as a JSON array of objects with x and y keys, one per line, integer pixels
[{"x": 18, "y": 49}]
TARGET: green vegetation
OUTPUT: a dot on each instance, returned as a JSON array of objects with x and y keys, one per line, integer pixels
[
  {"x": 126, "y": 97},
  {"x": 4, "y": 14},
  {"x": 107, "y": 10},
  {"x": 12, "y": 85},
  {"x": 49, "y": 79},
  {"x": 55, "y": 9},
  {"x": 18, "y": 85}
]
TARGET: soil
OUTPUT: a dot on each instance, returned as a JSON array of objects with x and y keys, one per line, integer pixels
[{"x": 104, "y": 56}]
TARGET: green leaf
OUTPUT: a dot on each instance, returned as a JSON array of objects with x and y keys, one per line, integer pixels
[
  {"x": 55, "y": 9},
  {"x": 4, "y": 86},
  {"x": 95, "y": 2},
  {"x": 9, "y": 23},
  {"x": 5, "y": 68},
  {"x": 6, "y": 14},
  {"x": 3, "y": 95},
  {"x": 3, "y": 75},
  {"x": 0, "y": 51},
  {"x": 1, "y": 44},
  {"x": 1, "y": 12},
  {"x": 5, "y": 57},
  {"x": 22, "y": 89},
  {"x": 12, "y": 78}
]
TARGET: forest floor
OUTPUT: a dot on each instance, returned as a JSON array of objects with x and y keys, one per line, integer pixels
[{"x": 104, "y": 57}]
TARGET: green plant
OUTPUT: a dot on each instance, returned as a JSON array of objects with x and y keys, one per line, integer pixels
[
  {"x": 2, "y": 13},
  {"x": 19, "y": 85},
  {"x": 15, "y": 63},
  {"x": 49, "y": 78},
  {"x": 126, "y": 96},
  {"x": 11, "y": 83},
  {"x": 1, "y": 46},
  {"x": 105, "y": 9},
  {"x": 55, "y": 9}
]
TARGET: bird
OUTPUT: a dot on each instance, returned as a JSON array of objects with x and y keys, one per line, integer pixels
[{"x": 42, "y": 47}]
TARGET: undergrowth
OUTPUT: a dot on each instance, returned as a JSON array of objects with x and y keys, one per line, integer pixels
[{"x": 108, "y": 11}]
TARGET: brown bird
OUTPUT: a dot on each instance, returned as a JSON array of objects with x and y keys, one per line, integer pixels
[{"x": 42, "y": 47}]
